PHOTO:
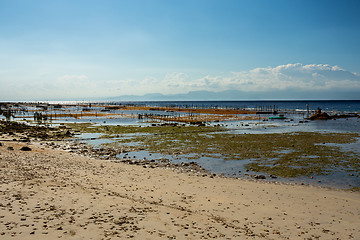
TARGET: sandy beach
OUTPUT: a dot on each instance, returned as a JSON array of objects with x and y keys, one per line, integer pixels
[{"x": 49, "y": 193}]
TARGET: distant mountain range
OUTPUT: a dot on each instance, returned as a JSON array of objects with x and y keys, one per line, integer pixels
[{"x": 241, "y": 95}]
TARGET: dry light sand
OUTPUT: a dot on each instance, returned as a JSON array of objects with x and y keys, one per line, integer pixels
[{"x": 52, "y": 194}]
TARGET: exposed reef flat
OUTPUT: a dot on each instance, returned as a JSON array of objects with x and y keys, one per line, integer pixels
[{"x": 290, "y": 154}]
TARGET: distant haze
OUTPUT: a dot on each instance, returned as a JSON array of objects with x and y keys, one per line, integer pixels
[{"x": 239, "y": 95}]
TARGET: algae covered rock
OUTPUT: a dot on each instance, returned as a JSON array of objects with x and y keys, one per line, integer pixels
[{"x": 320, "y": 115}]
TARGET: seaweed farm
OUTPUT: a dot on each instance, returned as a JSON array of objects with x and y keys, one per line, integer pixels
[
  {"x": 47, "y": 113},
  {"x": 242, "y": 141}
]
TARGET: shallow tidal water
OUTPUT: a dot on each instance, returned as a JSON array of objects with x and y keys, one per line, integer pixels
[
  {"x": 295, "y": 112},
  {"x": 338, "y": 178}
]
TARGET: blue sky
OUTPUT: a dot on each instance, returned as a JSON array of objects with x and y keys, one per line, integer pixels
[{"x": 65, "y": 49}]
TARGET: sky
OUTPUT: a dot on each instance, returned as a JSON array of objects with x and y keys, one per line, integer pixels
[{"x": 87, "y": 49}]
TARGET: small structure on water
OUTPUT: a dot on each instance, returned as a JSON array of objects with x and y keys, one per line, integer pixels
[{"x": 281, "y": 116}]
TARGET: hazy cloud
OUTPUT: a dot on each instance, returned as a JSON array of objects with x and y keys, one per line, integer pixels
[
  {"x": 289, "y": 76},
  {"x": 73, "y": 78},
  {"x": 311, "y": 77}
]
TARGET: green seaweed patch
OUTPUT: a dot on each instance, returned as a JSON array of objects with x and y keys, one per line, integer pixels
[
  {"x": 280, "y": 154},
  {"x": 308, "y": 157},
  {"x": 285, "y": 155},
  {"x": 30, "y": 131},
  {"x": 354, "y": 189}
]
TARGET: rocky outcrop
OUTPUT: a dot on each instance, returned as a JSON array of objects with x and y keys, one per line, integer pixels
[{"x": 320, "y": 115}]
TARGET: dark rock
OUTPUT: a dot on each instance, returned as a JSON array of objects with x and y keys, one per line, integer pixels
[
  {"x": 10, "y": 148},
  {"x": 259, "y": 177},
  {"x": 320, "y": 115},
  {"x": 25, "y": 149}
]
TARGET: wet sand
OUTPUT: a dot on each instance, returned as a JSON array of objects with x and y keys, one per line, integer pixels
[{"x": 52, "y": 194}]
